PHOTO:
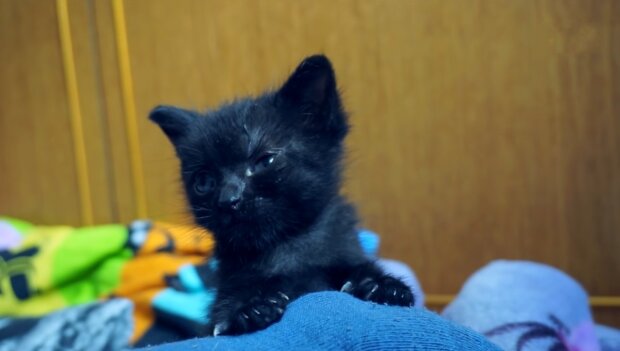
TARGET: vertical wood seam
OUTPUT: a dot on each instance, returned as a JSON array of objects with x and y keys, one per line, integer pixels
[
  {"x": 131, "y": 125},
  {"x": 102, "y": 109},
  {"x": 75, "y": 113}
]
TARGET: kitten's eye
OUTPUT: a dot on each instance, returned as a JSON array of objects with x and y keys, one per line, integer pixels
[
  {"x": 264, "y": 161},
  {"x": 203, "y": 183}
]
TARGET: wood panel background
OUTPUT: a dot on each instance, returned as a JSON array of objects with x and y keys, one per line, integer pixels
[{"x": 481, "y": 129}]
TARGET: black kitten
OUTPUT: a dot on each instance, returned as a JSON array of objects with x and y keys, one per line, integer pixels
[{"x": 263, "y": 174}]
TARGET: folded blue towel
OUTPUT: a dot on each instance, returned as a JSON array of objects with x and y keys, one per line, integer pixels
[{"x": 338, "y": 321}]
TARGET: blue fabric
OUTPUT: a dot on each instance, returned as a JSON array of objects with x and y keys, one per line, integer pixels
[
  {"x": 369, "y": 242},
  {"x": 526, "y": 306},
  {"x": 338, "y": 321},
  {"x": 190, "y": 302}
]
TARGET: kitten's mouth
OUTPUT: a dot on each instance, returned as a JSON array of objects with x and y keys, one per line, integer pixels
[{"x": 239, "y": 215}]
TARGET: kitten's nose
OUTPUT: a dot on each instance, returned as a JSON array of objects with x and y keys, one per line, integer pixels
[
  {"x": 230, "y": 196},
  {"x": 230, "y": 203}
]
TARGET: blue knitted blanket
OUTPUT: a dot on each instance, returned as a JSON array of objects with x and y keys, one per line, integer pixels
[{"x": 338, "y": 321}]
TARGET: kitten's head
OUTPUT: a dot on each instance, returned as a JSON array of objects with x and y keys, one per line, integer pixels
[{"x": 259, "y": 169}]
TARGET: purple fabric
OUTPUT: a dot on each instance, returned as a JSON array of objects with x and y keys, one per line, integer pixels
[
  {"x": 523, "y": 305},
  {"x": 9, "y": 236}
]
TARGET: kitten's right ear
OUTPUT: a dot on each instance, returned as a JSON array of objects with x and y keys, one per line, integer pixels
[
  {"x": 174, "y": 121},
  {"x": 312, "y": 87}
]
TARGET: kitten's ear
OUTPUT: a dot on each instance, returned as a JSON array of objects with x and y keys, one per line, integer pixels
[
  {"x": 312, "y": 86},
  {"x": 174, "y": 121}
]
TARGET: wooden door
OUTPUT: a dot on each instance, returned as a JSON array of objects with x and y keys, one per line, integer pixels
[{"x": 481, "y": 129}]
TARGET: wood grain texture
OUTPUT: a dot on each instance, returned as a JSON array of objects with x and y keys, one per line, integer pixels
[
  {"x": 37, "y": 169},
  {"x": 482, "y": 129},
  {"x": 124, "y": 202},
  {"x": 94, "y": 113}
]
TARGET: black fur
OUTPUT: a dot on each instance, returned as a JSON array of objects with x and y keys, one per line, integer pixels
[{"x": 263, "y": 174}]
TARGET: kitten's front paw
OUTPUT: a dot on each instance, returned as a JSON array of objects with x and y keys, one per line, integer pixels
[
  {"x": 383, "y": 289},
  {"x": 258, "y": 313}
]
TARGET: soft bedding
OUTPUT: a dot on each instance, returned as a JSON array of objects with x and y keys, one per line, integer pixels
[{"x": 149, "y": 285}]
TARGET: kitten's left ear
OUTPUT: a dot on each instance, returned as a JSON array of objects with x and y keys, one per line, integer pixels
[
  {"x": 312, "y": 87},
  {"x": 174, "y": 121}
]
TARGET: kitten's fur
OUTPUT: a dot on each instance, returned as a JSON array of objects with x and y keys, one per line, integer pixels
[{"x": 263, "y": 174}]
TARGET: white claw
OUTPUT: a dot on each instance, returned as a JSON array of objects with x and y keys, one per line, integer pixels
[
  {"x": 217, "y": 330},
  {"x": 347, "y": 287},
  {"x": 372, "y": 291},
  {"x": 374, "y": 288},
  {"x": 283, "y": 295}
]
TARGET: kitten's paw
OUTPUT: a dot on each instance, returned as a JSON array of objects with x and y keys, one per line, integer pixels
[
  {"x": 383, "y": 289},
  {"x": 257, "y": 314}
]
